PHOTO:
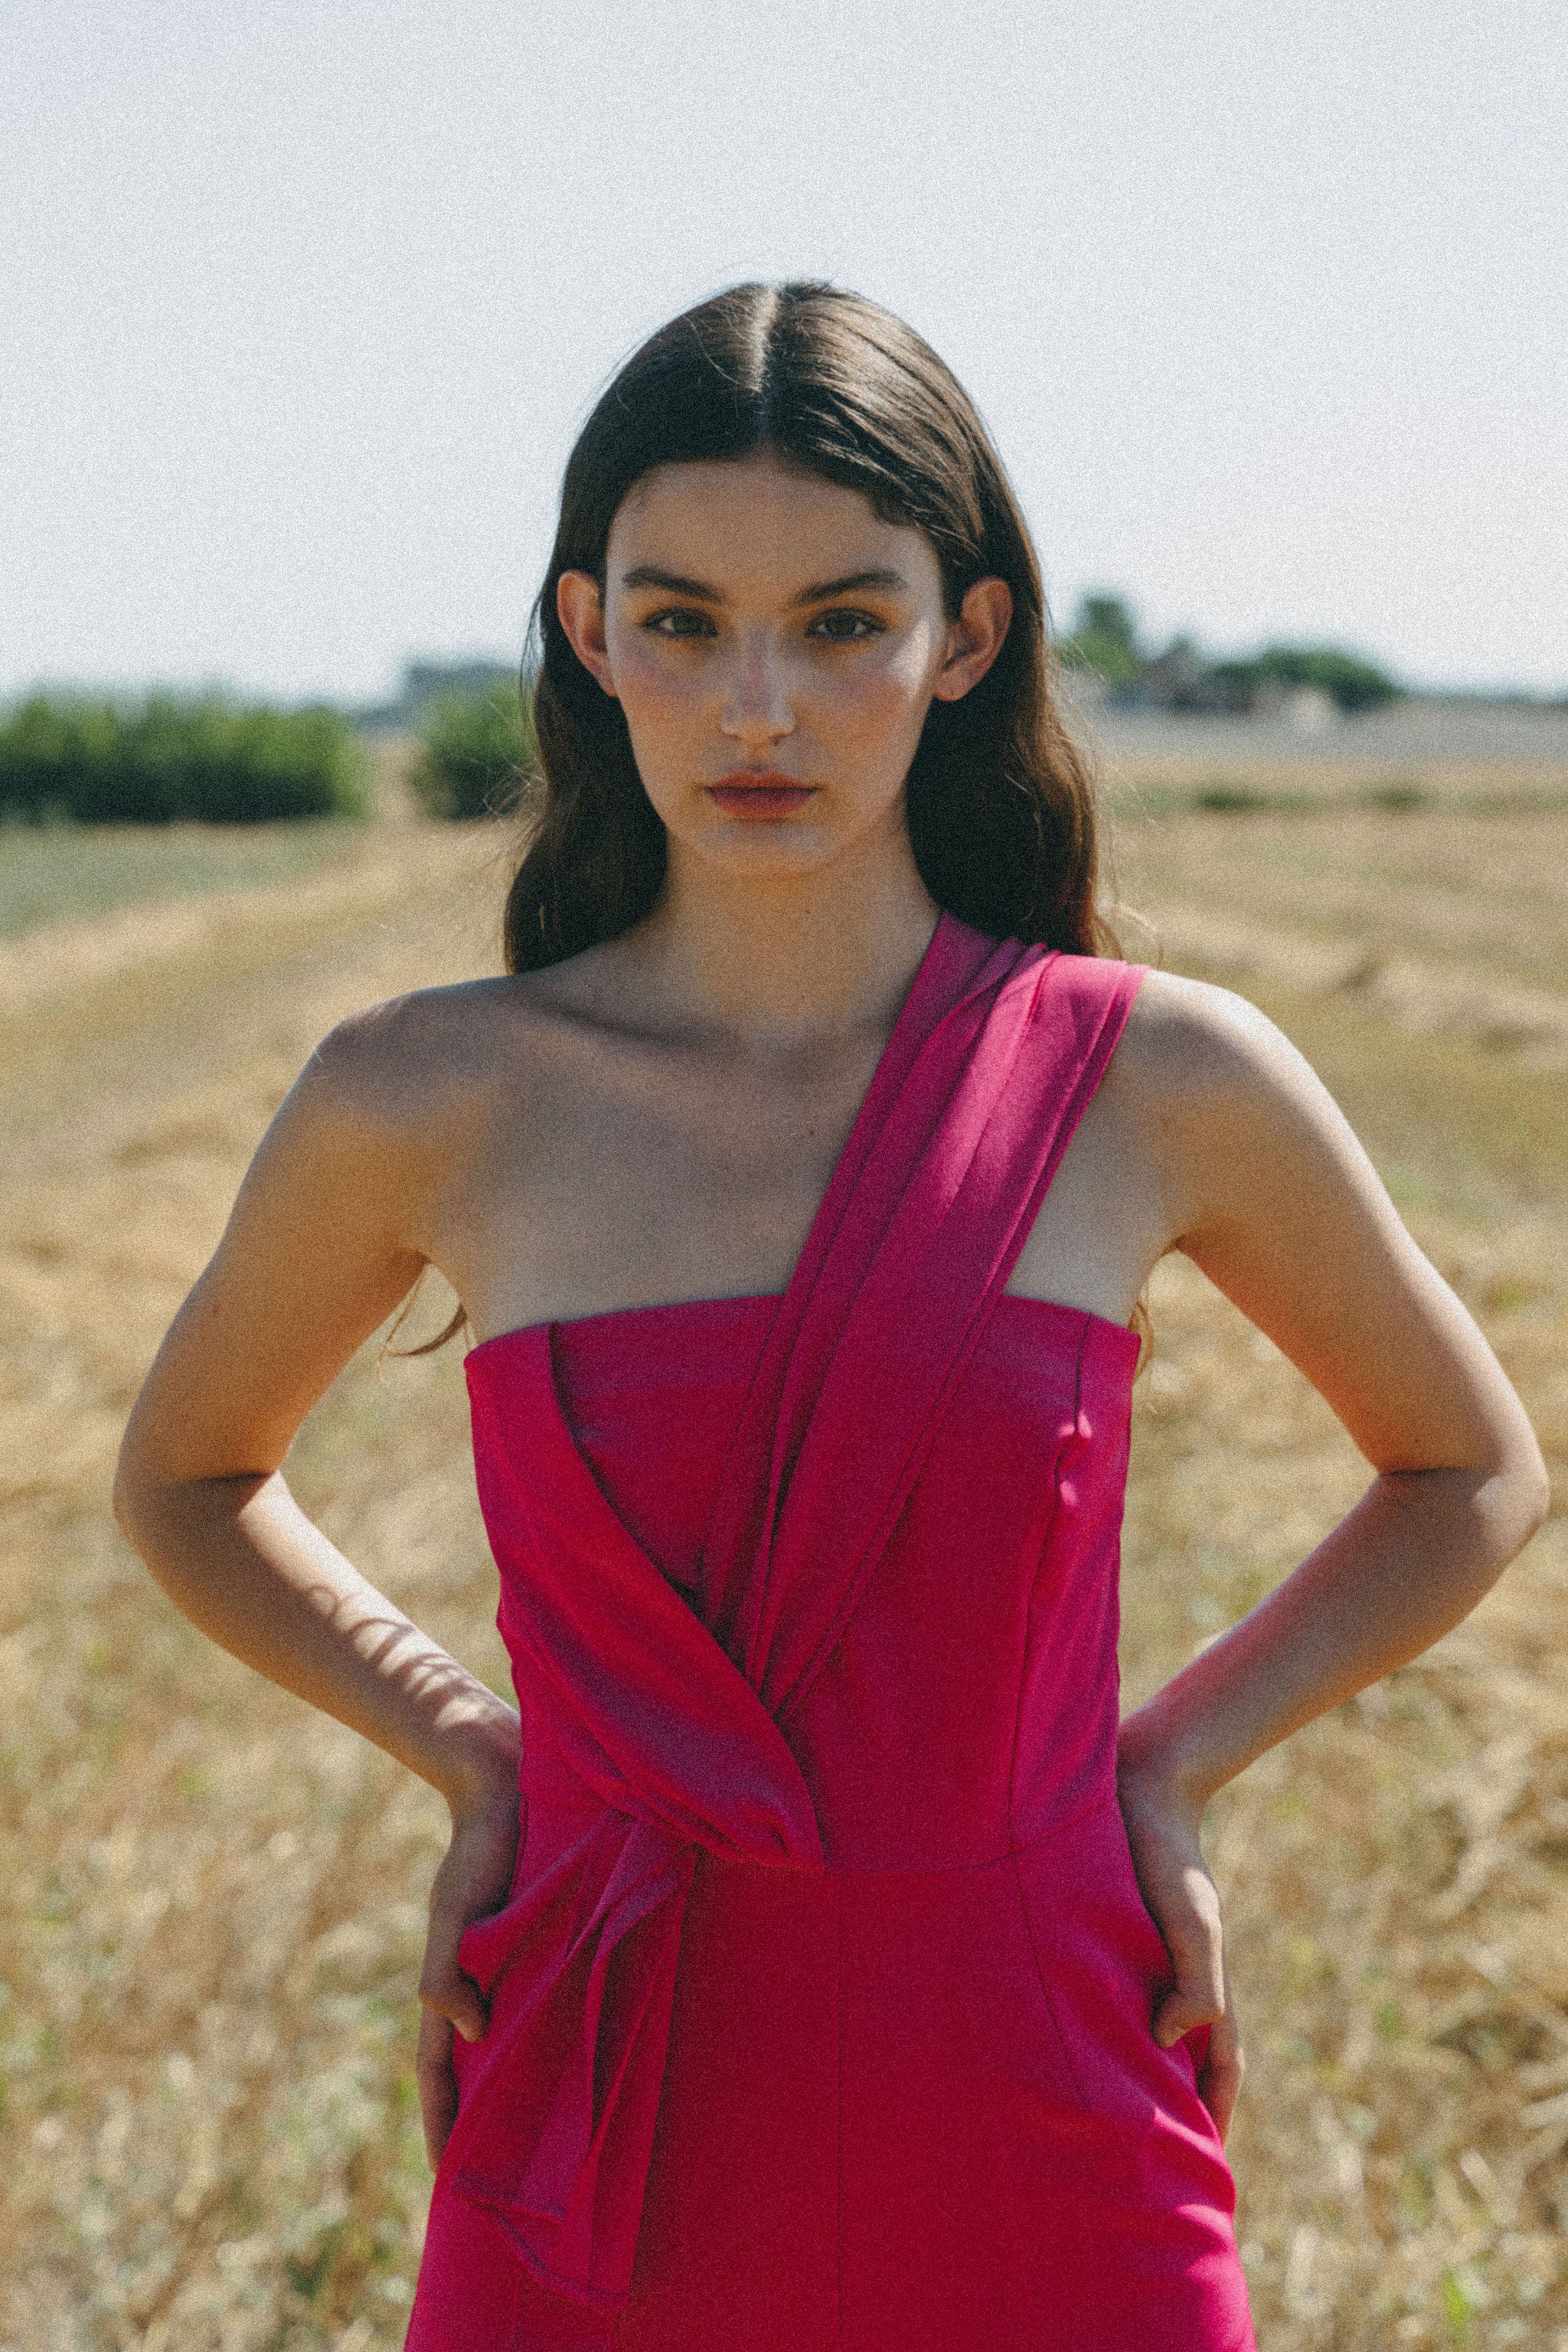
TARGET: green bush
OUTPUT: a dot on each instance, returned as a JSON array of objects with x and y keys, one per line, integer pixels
[
  {"x": 171, "y": 760},
  {"x": 1351, "y": 683},
  {"x": 478, "y": 754},
  {"x": 1105, "y": 639},
  {"x": 1230, "y": 799}
]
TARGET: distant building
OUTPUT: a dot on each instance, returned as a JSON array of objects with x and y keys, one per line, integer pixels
[
  {"x": 426, "y": 683},
  {"x": 1180, "y": 679}
]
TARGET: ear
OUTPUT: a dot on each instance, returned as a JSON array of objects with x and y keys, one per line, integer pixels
[
  {"x": 975, "y": 638},
  {"x": 581, "y": 609}
]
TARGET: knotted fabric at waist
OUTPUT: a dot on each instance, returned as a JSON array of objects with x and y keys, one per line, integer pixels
[{"x": 559, "y": 2099}]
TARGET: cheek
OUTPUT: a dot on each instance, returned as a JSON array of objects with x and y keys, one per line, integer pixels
[
  {"x": 654, "y": 691},
  {"x": 887, "y": 695}
]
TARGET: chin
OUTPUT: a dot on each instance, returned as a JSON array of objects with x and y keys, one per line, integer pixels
[
  {"x": 745, "y": 844},
  {"x": 767, "y": 861}
]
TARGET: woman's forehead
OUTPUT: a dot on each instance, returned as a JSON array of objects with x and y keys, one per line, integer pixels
[{"x": 734, "y": 516}]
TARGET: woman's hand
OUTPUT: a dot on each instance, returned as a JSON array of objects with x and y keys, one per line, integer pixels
[
  {"x": 475, "y": 1878},
  {"x": 1162, "y": 1831}
]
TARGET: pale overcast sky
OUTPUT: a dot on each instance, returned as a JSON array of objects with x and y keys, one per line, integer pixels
[{"x": 303, "y": 302}]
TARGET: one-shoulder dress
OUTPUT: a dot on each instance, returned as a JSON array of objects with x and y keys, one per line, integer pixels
[{"x": 819, "y": 2011}]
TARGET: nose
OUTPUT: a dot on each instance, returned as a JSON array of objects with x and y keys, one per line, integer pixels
[{"x": 757, "y": 709}]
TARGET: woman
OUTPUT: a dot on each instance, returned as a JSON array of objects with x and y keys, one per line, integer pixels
[{"x": 853, "y": 1982}]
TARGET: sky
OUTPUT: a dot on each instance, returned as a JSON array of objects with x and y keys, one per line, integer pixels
[{"x": 304, "y": 303}]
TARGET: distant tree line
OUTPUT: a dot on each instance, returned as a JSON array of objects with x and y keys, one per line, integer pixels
[
  {"x": 1105, "y": 643},
  {"x": 169, "y": 760}
]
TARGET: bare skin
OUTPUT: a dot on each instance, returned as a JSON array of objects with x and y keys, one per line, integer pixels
[{"x": 657, "y": 1119}]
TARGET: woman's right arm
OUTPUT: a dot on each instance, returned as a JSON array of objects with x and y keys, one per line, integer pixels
[{"x": 321, "y": 1244}]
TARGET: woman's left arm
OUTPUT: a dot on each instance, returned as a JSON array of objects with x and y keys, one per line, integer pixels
[{"x": 1271, "y": 1195}]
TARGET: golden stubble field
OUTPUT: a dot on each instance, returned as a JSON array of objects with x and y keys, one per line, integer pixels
[{"x": 213, "y": 1901}]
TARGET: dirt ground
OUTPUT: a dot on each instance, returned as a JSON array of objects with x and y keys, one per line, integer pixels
[{"x": 213, "y": 1901}]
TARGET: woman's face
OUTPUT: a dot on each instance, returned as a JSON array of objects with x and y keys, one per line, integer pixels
[{"x": 775, "y": 647}]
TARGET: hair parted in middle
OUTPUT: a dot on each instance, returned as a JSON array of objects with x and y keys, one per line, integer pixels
[{"x": 1001, "y": 805}]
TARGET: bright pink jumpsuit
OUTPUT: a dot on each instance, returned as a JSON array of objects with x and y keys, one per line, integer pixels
[{"x": 820, "y": 2007}]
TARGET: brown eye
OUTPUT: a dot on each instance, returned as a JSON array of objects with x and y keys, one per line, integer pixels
[
  {"x": 678, "y": 622},
  {"x": 844, "y": 627}
]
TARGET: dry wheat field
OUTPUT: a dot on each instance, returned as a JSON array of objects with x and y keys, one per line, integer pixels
[{"x": 212, "y": 1901}]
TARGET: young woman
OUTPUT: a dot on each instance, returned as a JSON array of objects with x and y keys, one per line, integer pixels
[{"x": 854, "y": 1981}]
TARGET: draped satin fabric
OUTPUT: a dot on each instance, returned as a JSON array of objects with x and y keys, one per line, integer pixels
[{"x": 673, "y": 1750}]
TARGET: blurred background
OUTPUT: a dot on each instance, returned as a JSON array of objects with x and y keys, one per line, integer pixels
[{"x": 303, "y": 309}]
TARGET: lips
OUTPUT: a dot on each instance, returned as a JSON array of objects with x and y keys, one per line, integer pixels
[{"x": 759, "y": 793}]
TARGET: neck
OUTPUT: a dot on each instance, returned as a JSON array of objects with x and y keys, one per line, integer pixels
[{"x": 779, "y": 965}]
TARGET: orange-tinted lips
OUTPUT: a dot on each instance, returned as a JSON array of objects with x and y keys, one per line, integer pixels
[{"x": 759, "y": 793}]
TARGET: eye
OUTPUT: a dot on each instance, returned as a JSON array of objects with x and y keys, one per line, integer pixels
[
  {"x": 680, "y": 621},
  {"x": 844, "y": 626}
]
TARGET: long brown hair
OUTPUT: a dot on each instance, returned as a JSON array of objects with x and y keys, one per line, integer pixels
[{"x": 1001, "y": 805}]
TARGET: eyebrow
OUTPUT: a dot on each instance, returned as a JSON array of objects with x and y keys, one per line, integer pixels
[{"x": 674, "y": 584}]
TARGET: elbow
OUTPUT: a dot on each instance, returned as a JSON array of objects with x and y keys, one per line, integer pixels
[
  {"x": 140, "y": 1493},
  {"x": 1518, "y": 1503},
  {"x": 148, "y": 1510},
  {"x": 1535, "y": 1500},
  {"x": 1476, "y": 1519},
  {"x": 161, "y": 1512},
  {"x": 131, "y": 1498}
]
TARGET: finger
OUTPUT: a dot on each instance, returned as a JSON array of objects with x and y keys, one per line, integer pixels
[
  {"x": 444, "y": 1988},
  {"x": 1193, "y": 1936},
  {"x": 1182, "y": 2012},
  {"x": 1220, "y": 2075},
  {"x": 437, "y": 2084}
]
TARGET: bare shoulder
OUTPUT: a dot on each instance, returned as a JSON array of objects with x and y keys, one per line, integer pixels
[
  {"x": 1223, "y": 1103},
  {"x": 397, "y": 1064},
  {"x": 425, "y": 1065},
  {"x": 1188, "y": 1037}
]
